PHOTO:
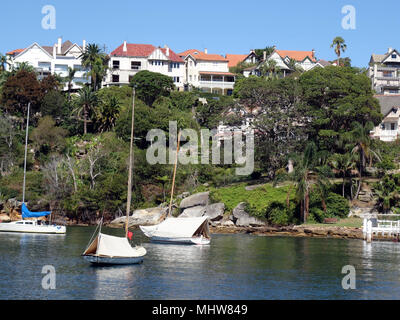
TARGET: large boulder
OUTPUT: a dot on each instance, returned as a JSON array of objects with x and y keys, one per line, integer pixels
[
  {"x": 243, "y": 219},
  {"x": 143, "y": 217},
  {"x": 194, "y": 212},
  {"x": 198, "y": 199},
  {"x": 215, "y": 212}
]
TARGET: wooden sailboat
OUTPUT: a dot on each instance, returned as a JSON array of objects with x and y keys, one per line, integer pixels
[
  {"x": 30, "y": 226},
  {"x": 110, "y": 250},
  {"x": 179, "y": 230}
]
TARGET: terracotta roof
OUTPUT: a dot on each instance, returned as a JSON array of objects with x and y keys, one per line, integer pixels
[
  {"x": 11, "y": 53},
  {"x": 143, "y": 50},
  {"x": 199, "y": 55},
  {"x": 234, "y": 59},
  {"x": 172, "y": 55},
  {"x": 296, "y": 55},
  {"x": 324, "y": 63}
]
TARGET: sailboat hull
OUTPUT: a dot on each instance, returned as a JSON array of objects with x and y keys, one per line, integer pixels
[
  {"x": 32, "y": 227},
  {"x": 187, "y": 241},
  {"x": 96, "y": 260}
]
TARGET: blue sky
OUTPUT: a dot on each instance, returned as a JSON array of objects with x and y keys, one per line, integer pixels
[{"x": 221, "y": 26}]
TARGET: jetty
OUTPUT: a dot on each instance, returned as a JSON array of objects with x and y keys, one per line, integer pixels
[{"x": 387, "y": 229}]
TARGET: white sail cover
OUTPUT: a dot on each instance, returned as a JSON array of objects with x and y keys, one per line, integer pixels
[
  {"x": 110, "y": 246},
  {"x": 177, "y": 228}
]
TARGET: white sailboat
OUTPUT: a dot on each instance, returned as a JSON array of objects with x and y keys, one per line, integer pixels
[
  {"x": 31, "y": 226},
  {"x": 111, "y": 250},
  {"x": 179, "y": 230}
]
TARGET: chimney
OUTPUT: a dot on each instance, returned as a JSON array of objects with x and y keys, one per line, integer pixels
[
  {"x": 313, "y": 53},
  {"x": 265, "y": 55},
  {"x": 390, "y": 50},
  {"x": 205, "y": 51},
  {"x": 125, "y": 48},
  {"x": 59, "y": 45},
  {"x": 84, "y": 46},
  {"x": 167, "y": 52},
  {"x": 274, "y": 47},
  {"x": 54, "y": 51}
]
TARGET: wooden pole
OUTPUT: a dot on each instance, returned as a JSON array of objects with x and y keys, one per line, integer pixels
[
  {"x": 173, "y": 179},
  {"x": 131, "y": 159},
  {"x": 26, "y": 153}
]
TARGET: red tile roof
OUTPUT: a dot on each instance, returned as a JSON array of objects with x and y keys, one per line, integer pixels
[
  {"x": 199, "y": 55},
  {"x": 11, "y": 53},
  {"x": 143, "y": 50},
  {"x": 234, "y": 59},
  {"x": 296, "y": 55}
]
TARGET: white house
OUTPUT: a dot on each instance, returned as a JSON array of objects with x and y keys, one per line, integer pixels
[
  {"x": 304, "y": 59},
  {"x": 208, "y": 72},
  {"x": 128, "y": 59},
  {"x": 54, "y": 59},
  {"x": 384, "y": 71},
  {"x": 388, "y": 130}
]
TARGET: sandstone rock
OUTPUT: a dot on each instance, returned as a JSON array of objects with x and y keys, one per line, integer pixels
[
  {"x": 198, "y": 199},
  {"x": 143, "y": 217},
  {"x": 215, "y": 212},
  {"x": 228, "y": 223},
  {"x": 243, "y": 219},
  {"x": 194, "y": 212}
]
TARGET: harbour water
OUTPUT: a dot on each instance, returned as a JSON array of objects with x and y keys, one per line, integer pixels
[{"x": 240, "y": 267}]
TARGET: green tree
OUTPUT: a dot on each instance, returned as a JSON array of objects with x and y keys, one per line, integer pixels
[{"x": 151, "y": 85}]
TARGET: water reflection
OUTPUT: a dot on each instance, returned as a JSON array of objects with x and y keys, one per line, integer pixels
[{"x": 232, "y": 267}]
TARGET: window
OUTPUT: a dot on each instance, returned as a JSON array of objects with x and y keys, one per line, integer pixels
[
  {"x": 387, "y": 74},
  {"x": 394, "y": 56},
  {"x": 176, "y": 79},
  {"x": 115, "y": 78},
  {"x": 174, "y": 65},
  {"x": 130, "y": 79},
  {"x": 115, "y": 64},
  {"x": 190, "y": 78},
  {"x": 392, "y": 126},
  {"x": 136, "y": 65}
]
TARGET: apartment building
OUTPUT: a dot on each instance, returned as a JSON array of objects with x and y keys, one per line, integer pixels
[
  {"x": 208, "y": 72},
  {"x": 54, "y": 59},
  {"x": 128, "y": 59},
  {"x": 384, "y": 71}
]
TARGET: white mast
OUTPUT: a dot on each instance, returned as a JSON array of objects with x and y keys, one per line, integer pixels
[{"x": 26, "y": 154}]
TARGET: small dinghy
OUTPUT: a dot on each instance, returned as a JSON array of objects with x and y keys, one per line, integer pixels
[
  {"x": 110, "y": 250},
  {"x": 180, "y": 231}
]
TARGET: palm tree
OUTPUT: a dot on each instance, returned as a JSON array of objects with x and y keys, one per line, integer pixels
[
  {"x": 360, "y": 142},
  {"x": 339, "y": 46},
  {"x": 85, "y": 103},
  {"x": 270, "y": 69},
  {"x": 94, "y": 59},
  {"x": 108, "y": 113},
  {"x": 343, "y": 163},
  {"x": 69, "y": 79},
  {"x": 309, "y": 174}
]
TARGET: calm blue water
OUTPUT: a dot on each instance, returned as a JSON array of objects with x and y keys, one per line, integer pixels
[{"x": 233, "y": 267}]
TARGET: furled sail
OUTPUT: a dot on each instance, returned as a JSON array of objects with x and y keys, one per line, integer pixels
[
  {"x": 179, "y": 228},
  {"x": 26, "y": 214}
]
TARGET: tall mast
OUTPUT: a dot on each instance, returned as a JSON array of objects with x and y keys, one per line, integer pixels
[
  {"x": 26, "y": 153},
  {"x": 173, "y": 179},
  {"x": 128, "y": 206}
]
